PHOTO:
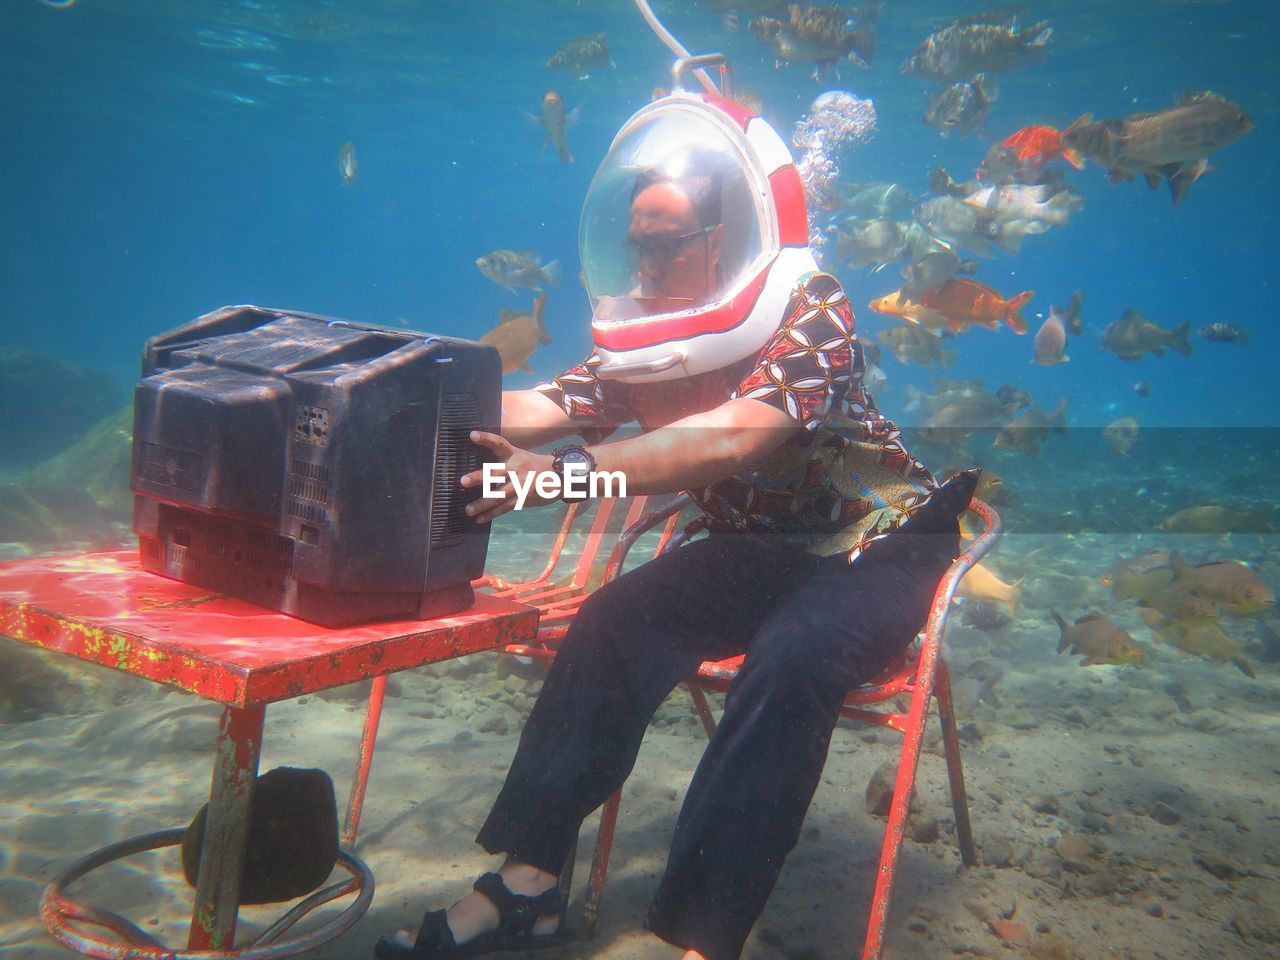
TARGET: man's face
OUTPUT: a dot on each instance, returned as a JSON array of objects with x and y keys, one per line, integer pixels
[{"x": 677, "y": 259}]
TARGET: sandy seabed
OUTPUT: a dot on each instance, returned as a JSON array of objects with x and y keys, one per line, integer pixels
[{"x": 1126, "y": 812}]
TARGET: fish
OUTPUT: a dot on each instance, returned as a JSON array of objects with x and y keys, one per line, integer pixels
[
  {"x": 1151, "y": 581},
  {"x": 347, "y": 166},
  {"x": 962, "y": 107},
  {"x": 1071, "y": 316},
  {"x": 1142, "y": 388},
  {"x": 1031, "y": 427},
  {"x": 981, "y": 583},
  {"x": 1008, "y": 393},
  {"x": 957, "y": 421},
  {"x": 963, "y": 49},
  {"x": 1040, "y": 145},
  {"x": 824, "y": 36},
  {"x": 1203, "y": 638},
  {"x": 872, "y": 200},
  {"x": 581, "y": 54},
  {"x": 731, "y": 10},
  {"x": 555, "y": 119},
  {"x": 518, "y": 335},
  {"x": 1215, "y": 518},
  {"x": 1122, "y": 434},
  {"x": 895, "y": 305},
  {"x": 1173, "y": 143},
  {"x": 1000, "y": 165},
  {"x": 911, "y": 344},
  {"x": 968, "y": 302},
  {"x": 1228, "y": 584},
  {"x": 1133, "y": 336},
  {"x": 1100, "y": 640},
  {"x": 512, "y": 268},
  {"x": 959, "y": 225},
  {"x": 1045, "y": 203},
  {"x": 990, "y": 488},
  {"x": 946, "y": 392},
  {"x": 1051, "y": 340},
  {"x": 875, "y": 243},
  {"x": 940, "y": 182},
  {"x": 930, "y": 272},
  {"x": 1224, "y": 333},
  {"x": 985, "y": 615}
]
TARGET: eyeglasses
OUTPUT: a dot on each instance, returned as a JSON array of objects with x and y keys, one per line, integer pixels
[{"x": 663, "y": 248}]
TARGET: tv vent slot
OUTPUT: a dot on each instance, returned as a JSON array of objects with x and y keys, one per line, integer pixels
[
  {"x": 455, "y": 455},
  {"x": 310, "y": 512},
  {"x": 309, "y": 484}
]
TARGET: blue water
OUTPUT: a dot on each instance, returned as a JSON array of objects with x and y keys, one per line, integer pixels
[{"x": 166, "y": 158}]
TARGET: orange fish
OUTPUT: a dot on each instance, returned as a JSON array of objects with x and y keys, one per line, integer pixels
[
  {"x": 1040, "y": 145},
  {"x": 965, "y": 302}
]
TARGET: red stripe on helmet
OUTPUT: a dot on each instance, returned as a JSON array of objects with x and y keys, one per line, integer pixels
[
  {"x": 648, "y": 333},
  {"x": 731, "y": 108},
  {"x": 788, "y": 200}
]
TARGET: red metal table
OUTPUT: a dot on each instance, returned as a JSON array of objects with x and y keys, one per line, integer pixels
[{"x": 104, "y": 608}]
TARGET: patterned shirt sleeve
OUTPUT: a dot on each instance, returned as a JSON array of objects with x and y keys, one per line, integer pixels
[
  {"x": 814, "y": 361},
  {"x": 596, "y": 406}
]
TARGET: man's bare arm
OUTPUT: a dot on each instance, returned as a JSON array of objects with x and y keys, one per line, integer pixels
[
  {"x": 531, "y": 418},
  {"x": 698, "y": 450}
]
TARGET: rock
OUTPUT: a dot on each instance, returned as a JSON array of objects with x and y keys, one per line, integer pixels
[
  {"x": 1161, "y": 812},
  {"x": 997, "y": 852},
  {"x": 1011, "y": 932},
  {"x": 880, "y": 789},
  {"x": 1046, "y": 804},
  {"x": 922, "y": 829},
  {"x": 1072, "y": 847},
  {"x": 1096, "y": 823},
  {"x": 1256, "y": 922},
  {"x": 1220, "y": 865},
  {"x": 1052, "y": 947},
  {"x": 1154, "y": 908}
]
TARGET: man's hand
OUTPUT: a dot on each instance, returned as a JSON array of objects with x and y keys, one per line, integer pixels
[{"x": 522, "y": 463}]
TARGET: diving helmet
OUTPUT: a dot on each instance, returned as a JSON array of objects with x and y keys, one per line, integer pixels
[{"x": 694, "y": 234}]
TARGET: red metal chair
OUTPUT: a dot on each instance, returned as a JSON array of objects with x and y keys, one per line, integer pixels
[{"x": 917, "y": 675}]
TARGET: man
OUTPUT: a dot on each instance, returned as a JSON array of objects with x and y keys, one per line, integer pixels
[{"x": 801, "y": 479}]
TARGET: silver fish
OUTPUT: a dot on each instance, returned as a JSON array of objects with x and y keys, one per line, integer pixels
[
  {"x": 962, "y": 107},
  {"x": 1051, "y": 340},
  {"x": 581, "y": 54},
  {"x": 963, "y": 49},
  {"x": 347, "y": 166},
  {"x": 513, "y": 268}
]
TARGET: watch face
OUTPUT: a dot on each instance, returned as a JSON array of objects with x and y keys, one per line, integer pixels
[{"x": 575, "y": 457}]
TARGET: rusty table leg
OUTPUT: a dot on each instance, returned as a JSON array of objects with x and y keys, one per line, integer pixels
[{"x": 235, "y": 767}]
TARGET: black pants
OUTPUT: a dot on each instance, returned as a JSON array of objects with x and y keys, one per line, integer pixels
[{"x": 811, "y": 628}]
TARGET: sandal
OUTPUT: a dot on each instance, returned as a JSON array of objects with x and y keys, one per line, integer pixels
[{"x": 517, "y": 915}]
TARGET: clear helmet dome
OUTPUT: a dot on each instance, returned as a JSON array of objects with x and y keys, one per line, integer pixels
[{"x": 678, "y": 218}]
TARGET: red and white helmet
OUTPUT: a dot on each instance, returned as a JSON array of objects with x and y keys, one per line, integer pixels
[{"x": 747, "y": 180}]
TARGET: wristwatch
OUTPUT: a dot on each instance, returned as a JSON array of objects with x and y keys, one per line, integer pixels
[{"x": 572, "y": 456}]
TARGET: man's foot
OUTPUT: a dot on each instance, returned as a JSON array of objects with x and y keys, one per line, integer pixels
[{"x": 476, "y": 914}]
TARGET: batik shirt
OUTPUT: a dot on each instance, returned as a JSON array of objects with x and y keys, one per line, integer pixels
[{"x": 843, "y": 480}]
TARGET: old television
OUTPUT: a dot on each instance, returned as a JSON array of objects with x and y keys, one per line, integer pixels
[{"x": 311, "y": 465}]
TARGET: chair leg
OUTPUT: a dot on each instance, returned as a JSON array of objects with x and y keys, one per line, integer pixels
[
  {"x": 702, "y": 708},
  {"x": 600, "y": 864},
  {"x": 895, "y": 829},
  {"x": 955, "y": 768}
]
